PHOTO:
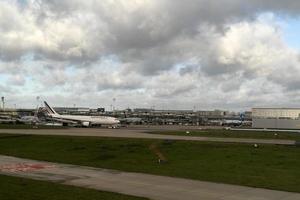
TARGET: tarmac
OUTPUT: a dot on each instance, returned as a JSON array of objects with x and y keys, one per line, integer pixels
[
  {"x": 136, "y": 184},
  {"x": 142, "y": 133}
]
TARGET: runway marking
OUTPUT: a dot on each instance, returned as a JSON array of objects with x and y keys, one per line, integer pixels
[{"x": 24, "y": 167}]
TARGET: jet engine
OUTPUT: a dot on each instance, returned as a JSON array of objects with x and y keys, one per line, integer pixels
[{"x": 86, "y": 124}]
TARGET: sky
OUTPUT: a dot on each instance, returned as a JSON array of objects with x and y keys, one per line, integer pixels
[{"x": 167, "y": 54}]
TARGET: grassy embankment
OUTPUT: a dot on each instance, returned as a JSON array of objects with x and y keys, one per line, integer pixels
[{"x": 268, "y": 166}]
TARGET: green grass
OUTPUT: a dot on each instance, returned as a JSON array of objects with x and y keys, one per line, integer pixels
[
  {"x": 28, "y": 126},
  {"x": 234, "y": 134},
  {"x": 269, "y": 166},
  {"x": 13, "y": 188}
]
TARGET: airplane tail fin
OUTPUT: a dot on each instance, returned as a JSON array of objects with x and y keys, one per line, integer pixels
[{"x": 49, "y": 109}]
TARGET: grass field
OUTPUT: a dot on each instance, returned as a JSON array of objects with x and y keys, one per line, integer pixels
[
  {"x": 12, "y": 188},
  {"x": 269, "y": 166},
  {"x": 234, "y": 134},
  {"x": 28, "y": 126}
]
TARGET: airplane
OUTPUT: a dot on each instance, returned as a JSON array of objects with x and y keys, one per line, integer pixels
[
  {"x": 82, "y": 120},
  {"x": 231, "y": 122},
  {"x": 29, "y": 119},
  {"x": 131, "y": 120}
]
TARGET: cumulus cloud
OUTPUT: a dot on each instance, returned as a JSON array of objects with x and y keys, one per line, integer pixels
[
  {"x": 202, "y": 52},
  {"x": 256, "y": 49}
]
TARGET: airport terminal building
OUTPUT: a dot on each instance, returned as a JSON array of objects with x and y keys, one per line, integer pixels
[{"x": 277, "y": 118}]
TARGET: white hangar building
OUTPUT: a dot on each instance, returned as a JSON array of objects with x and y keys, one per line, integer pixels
[
  {"x": 288, "y": 113},
  {"x": 277, "y": 118}
]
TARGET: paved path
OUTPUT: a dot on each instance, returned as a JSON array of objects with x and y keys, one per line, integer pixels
[
  {"x": 139, "y": 133},
  {"x": 136, "y": 184},
  {"x": 266, "y": 130}
]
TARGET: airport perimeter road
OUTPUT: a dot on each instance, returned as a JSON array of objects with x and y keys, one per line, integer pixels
[
  {"x": 136, "y": 184},
  {"x": 139, "y": 133}
]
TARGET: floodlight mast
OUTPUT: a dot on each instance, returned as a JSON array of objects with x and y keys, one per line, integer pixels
[
  {"x": 114, "y": 104},
  {"x": 3, "y": 103},
  {"x": 37, "y": 107}
]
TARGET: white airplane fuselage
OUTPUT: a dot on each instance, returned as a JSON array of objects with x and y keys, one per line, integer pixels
[
  {"x": 92, "y": 120},
  {"x": 81, "y": 119}
]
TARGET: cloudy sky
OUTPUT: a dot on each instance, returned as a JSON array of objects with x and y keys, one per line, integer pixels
[{"x": 171, "y": 54}]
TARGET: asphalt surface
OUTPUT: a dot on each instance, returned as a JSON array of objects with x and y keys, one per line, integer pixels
[
  {"x": 140, "y": 132},
  {"x": 136, "y": 184},
  {"x": 266, "y": 130}
]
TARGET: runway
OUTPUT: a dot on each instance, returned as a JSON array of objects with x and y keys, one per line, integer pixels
[
  {"x": 136, "y": 184},
  {"x": 140, "y": 133}
]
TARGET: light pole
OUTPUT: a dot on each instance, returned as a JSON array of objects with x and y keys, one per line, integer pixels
[
  {"x": 114, "y": 104},
  {"x": 37, "y": 107},
  {"x": 3, "y": 103},
  {"x": 38, "y": 101}
]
